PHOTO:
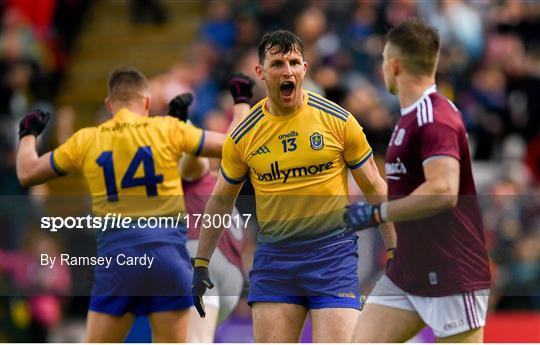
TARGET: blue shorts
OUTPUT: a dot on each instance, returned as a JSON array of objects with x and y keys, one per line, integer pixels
[
  {"x": 143, "y": 288},
  {"x": 320, "y": 274}
]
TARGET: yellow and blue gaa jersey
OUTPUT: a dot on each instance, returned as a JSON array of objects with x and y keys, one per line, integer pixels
[
  {"x": 130, "y": 163},
  {"x": 297, "y": 165}
]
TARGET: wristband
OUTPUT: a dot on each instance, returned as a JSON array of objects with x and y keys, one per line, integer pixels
[
  {"x": 201, "y": 262},
  {"x": 384, "y": 211},
  {"x": 390, "y": 253}
]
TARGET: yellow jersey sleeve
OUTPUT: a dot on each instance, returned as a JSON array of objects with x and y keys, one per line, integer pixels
[
  {"x": 233, "y": 168},
  {"x": 70, "y": 155},
  {"x": 356, "y": 149},
  {"x": 186, "y": 138}
]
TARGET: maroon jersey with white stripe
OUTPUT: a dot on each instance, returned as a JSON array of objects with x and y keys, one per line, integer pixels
[
  {"x": 443, "y": 254},
  {"x": 196, "y": 196}
]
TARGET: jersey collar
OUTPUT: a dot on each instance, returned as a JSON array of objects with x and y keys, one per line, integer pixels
[
  {"x": 285, "y": 117},
  {"x": 429, "y": 91},
  {"x": 124, "y": 113}
]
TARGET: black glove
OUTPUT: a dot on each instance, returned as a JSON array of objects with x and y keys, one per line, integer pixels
[
  {"x": 241, "y": 88},
  {"x": 33, "y": 123},
  {"x": 179, "y": 105},
  {"x": 201, "y": 281}
]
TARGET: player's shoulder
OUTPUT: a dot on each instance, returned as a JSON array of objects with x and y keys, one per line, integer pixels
[
  {"x": 327, "y": 107},
  {"x": 248, "y": 123},
  {"x": 81, "y": 140},
  {"x": 85, "y": 134},
  {"x": 435, "y": 109},
  {"x": 163, "y": 120},
  {"x": 164, "y": 124}
]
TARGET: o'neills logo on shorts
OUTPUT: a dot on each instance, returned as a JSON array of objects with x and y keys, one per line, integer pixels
[{"x": 277, "y": 174}]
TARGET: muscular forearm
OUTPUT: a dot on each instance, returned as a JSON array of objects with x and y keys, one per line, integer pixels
[
  {"x": 239, "y": 111},
  {"x": 428, "y": 199},
  {"x": 209, "y": 236},
  {"x": 26, "y": 159},
  {"x": 31, "y": 168},
  {"x": 377, "y": 195},
  {"x": 388, "y": 233}
]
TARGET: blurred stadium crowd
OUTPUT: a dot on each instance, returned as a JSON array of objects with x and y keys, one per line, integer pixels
[{"x": 489, "y": 67}]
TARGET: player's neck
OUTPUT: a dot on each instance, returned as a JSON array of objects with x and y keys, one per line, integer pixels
[
  {"x": 277, "y": 109},
  {"x": 412, "y": 89}
]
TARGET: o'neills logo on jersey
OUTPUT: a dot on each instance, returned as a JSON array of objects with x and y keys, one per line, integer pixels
[
  {"x": 277, "y": 174},
  {"x": 291, "y": 134},
  {"x": 395, "y": 168}
]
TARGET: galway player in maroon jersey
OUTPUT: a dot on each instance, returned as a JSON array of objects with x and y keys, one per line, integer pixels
[
  {"x": 226, "y": 268},
  {"x": 198, "y": 184},
  {"x": 439, "y": 274}
]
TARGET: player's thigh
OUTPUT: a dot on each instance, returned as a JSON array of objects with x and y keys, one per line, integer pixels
[
  {"x": 472, "y": 336},
  {"x": 106, "y": 328},
  {"x": 202, "y": 330},
  {"x": 383, "y": 324},
  {"x": 455, "y": 315},
  {"x": 388, "y": 315},
  {"x": 169, "y": 326},
  {"x": 333, "y": 325},
  {"x": 278, "y": 322}
]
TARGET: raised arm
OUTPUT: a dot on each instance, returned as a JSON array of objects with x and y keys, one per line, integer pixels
[
  {"x": 241, "y": 89},
  {"x": 193, "y": 167},
  {"x": 31, "y": 168}
]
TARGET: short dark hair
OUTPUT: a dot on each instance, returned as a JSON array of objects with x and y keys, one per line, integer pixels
[
  {"x": 126, "y": 84},
  {"x": 279, "y": 42},
  {"x": 418, "y": 44}
]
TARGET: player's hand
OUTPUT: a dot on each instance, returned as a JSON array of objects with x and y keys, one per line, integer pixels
[
  {"x": 361, "y": 215},
  {"x": 178, "y": 106},
  {"x": 201, "y": 281},
  {"x": 241, "y": 88},
  {"x": 33, "y": 123}
]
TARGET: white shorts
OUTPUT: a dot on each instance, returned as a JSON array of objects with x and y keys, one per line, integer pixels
[
  {"x": 228, "y": 282},
  {"x": 446, "y": 315}
]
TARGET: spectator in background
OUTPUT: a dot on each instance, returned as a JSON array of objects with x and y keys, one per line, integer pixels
[
  {"x": 39, "y": 289},
  {"x": 219, "y": 29},
  {"x": 364, "y": 103}
]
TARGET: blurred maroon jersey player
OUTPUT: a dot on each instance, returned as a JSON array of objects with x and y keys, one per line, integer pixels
[
  {"x": 198, "y": 184},
  {"x": 226, "y": 268},
  {"x": 196, "y": 194},
  {"x": 443, "y": 254}
]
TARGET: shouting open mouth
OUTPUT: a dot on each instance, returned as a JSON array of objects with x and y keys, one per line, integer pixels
[{"x": 287, "y": 89}]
